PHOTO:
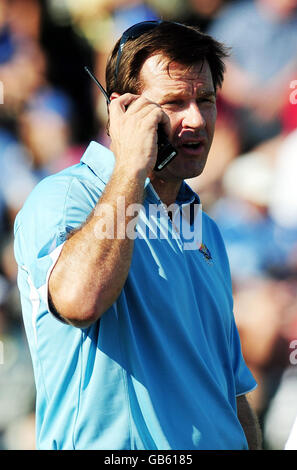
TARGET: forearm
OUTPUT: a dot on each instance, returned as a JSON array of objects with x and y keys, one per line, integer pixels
[
  {"x": 249, "y": 423},
  {"x": 94, "y": 263}
]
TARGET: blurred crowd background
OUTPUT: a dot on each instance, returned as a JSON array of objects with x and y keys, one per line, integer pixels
[{"x": 50, "y": 110}]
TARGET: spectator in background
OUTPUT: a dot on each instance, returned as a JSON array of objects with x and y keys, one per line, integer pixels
[
  {"x": 258, "y": 219},
  {"x": 44, "y": 146},
  {"x": 34, "y": 139},
  {"x": 263, "y": 37},
  {"x": 14, "y": 169},
  {"x": 22, "y": 62},
  {"x": 258, "y": 212},
  {"x": 242, "y": 215},
  {"x": 201, "y": 13},
  {"x": 22, "y": 72},
  {"x": 46, "y": 133},
  {"x": 102, "y": 22},
  {"x": 35, "y": 118},
  {"x": 289, "y": 111},
  {"x": 283, "y": 205},
  {"x": 17, "y": 389}
]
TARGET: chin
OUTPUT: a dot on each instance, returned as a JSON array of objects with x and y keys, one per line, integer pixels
[{"x": 186, "y": 170}]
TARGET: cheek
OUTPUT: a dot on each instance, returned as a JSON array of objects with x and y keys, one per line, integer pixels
[
  {"x": 210, "y": 114},
  {"x": 175, "y": 122},
  {"x": 210, "y": 117}
]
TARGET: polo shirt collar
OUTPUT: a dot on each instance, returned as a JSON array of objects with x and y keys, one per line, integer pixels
[
  {"x": 185, "y": 195},
  {"x": 100, "y": 159}
]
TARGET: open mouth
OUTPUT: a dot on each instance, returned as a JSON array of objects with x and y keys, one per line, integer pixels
[
  {"x": 192, "y": 145},
  {"x": 192, "y": 148}
]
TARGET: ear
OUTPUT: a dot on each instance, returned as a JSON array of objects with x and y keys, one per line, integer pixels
[{"x": 114, "y": 95}]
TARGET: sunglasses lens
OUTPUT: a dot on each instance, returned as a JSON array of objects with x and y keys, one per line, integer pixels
[{"x": 138, "y": 29}]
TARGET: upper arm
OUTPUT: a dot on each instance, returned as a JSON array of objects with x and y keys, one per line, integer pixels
[
  {"x": 249, "y": 422},
  {"x": 242, "y": 405},
  {"x": 57, "y": 206}
]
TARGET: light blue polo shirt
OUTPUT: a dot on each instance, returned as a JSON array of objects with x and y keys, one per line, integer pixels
[{"x": 163, "y": 366}]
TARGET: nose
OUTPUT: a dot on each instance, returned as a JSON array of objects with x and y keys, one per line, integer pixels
[{"x": 193, "y": 117}]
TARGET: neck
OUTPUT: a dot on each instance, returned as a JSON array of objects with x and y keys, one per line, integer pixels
[{"x": 166, "y": 190}]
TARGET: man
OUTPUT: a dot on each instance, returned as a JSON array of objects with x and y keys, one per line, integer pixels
[{"x": 130, "y": 327}]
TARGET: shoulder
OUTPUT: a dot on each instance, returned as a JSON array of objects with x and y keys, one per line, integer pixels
[
  {"x": 56, "y": 206},
  {"x": 213, "y": 239},
  {"x": 72, "y": 189},
  {"x": 232, "y": 18},
  {"x": 210, "y": 227}
]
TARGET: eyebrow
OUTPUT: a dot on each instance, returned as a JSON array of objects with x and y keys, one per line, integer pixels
[
  {"x": 207, "y": 93},
  {"x": 200, "y": 94}
]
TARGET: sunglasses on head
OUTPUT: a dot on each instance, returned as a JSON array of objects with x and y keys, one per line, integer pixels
[{"x": 133, "y": 32}]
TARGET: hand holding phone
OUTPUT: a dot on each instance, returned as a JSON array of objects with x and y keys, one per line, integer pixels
[{"x": 166, "y": 151}]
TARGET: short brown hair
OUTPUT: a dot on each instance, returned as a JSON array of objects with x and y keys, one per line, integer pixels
[{"x": 177, "y": 42}]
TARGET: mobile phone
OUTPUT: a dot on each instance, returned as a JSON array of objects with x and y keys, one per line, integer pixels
[{"x": 166, "y": 151}]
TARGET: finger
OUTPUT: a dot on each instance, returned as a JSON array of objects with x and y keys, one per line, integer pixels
[
  {"x": 138, "y": 104},
  {"x": 120, "y": 103},
  {"x": 155, "y": 114},
  {"x": 142, "y": 109},
  {"x": 146, "y": 107}
]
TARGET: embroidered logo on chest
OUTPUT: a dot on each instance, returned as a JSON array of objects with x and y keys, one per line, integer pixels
[{"x": 206, "y": 253}]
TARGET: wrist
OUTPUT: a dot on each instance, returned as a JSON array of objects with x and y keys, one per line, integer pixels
[{"x": 134, "y": 175}]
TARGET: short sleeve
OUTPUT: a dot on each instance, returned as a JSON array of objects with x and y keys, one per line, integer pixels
[
  {"x": 56, "y": 207},
  {"x": 244, "y": 380}
]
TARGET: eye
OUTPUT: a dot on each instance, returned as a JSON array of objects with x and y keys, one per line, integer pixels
[
  {"x": 177, "y": 103},
  {"x": 207, "y": 99}
]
